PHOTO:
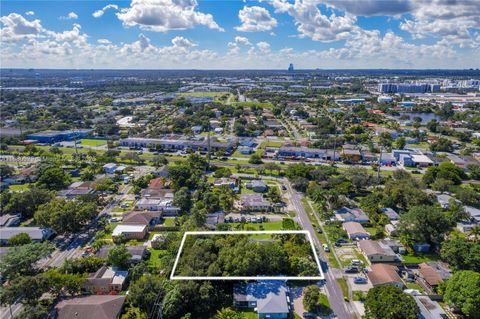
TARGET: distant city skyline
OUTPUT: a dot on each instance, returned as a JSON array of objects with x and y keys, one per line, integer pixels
[{"x": 269, "y": 34}]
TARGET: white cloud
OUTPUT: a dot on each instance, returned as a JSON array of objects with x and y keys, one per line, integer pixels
[
  {"x": 70, "y": 16},
  {"x": 263, "y": 46},
  {"x": 29, "y": 13},
  {"x": 164, "y": 15},
  {"x": 182, "y": 42},
  {"x": 255, "y": 19},
  {"x": 16, "y": 27},
  {"x": 101, "y": 12},
  {"x": 312, "y": 23},
  {"x": 454, "y": 21},
  {"x": 242, "y": 40},
  {"x": 104, "y": 41}
]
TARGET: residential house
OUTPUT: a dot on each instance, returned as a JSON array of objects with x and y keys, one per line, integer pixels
[
  {"x": 112, "y": 168},
  {"x": 228, "y": 182},
  {"x": 137, "y": 253},
  {"x": 429, "y": 309},
  {"x": 376, "y": 252},
  {"x": 346, "y": 214},
  {"x": 162, "y": 172},
  {"x": 156, "y": 204},
  {"x": 268, "y": 298},
  {"x": 212, "y": 220},
  {"x": 148, "y": 219},
  {"x": 432, "y": 274},
  {"x": 351, "y": 155},
  {"x": 391, "y": 228},
  {"x": 106, "y": 281},
  {"x": 390, "y": 213},
  {"x": 245, "y": 150},
  {"x": 257, "y": 186},
  {"x": 77, "y": 189},
  {"x": 385, "y": 274},
  {"x": 395, "y": 245},
  {"x": 444, "y": 200},
  {"x": 10, "y": 220},
  {"x": 36, "y": 234},
  {"x": 89, "y": 307},
  {"x": 254, "y": 202},
  {"x": 130, "y": 231},
  {"x": 355, "y": 231}
]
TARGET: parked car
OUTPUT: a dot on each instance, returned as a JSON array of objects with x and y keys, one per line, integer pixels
[
  {"x": 360, "y": 280},
  {"x": 350, "y": 270},
  {"x": 308, "y": 315},
  {"x": 355, "y": 262},
  {"x": 326, "y": 248}
]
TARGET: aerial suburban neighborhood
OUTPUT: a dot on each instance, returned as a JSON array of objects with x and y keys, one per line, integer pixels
[{"x": 239, "y": 190}]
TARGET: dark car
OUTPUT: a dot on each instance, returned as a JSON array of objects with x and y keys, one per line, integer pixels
[{"x": 351, "y": 270}]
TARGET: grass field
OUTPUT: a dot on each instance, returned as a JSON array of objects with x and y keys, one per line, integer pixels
[
  {"x": 169, "y": 222},
  {"x": 214, "y": 94},
  {"x": 19, "y": 187},
  {"x": 419, "y": 258},
  {"x": 93, "y": 142},
  {"x": 342, "y": 282}
]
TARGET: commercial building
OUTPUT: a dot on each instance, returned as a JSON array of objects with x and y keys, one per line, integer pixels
[
  {"x": 51, "y": 137},
  {"x": 408, "y": 88},
  {"x": 177, "y": 144}
]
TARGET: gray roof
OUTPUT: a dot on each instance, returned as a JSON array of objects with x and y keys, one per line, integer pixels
[
  {"x": 96, "y": 306},
  {"x": 270, "y": 295},
  {"x": 35, "y": 233}
]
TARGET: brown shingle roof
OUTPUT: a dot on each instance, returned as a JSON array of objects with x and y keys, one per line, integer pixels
[
  {"x": 370, "y": 247},
  {"x": 429, "y": 274},
  {"x": 354, "y": 228},
  {"x": 97, "y": 306},
  {"x": 383, "y": 274}
]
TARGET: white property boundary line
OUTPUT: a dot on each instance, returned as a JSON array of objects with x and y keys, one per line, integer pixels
[{"x": 253, "y": 232}]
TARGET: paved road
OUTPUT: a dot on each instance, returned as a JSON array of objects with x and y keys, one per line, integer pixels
[{"x": 334, "y": 292}]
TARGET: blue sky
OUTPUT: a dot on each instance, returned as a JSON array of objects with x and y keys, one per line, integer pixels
[{"x": 234, "y": 34}]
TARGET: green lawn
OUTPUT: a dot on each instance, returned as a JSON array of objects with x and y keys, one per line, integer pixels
[
  {"x": 155, "y": 254},
  {"x": 19, "y": 187},
  {"x": 93, "y": 142},
  {"x": 273, "y": 144},
  {"x": 169, "y": 222},
  {"x": 342, "y": 282},
  {"x": 214, "y": 94},
  {"x": 419, "y": 258},
  {"x": 256, "y": 226}
]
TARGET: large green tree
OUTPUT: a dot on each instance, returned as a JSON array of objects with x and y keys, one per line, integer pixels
[
  {"x": 27, "y": 202},
  {"x": 21, "y": 260},
  {"x": 144, "y": 291},
  {"x": 54, "y": 178},
  {"x": 389, "y": 302},
  {"x": 461, "y": 254},
  {"x": 118, "y": 256},
  {"x": 66, "y": 216},
  {"x": 423, "y": 224},
  {"x": 463, "y": 291},
  {"x": 310, "y": 297}
]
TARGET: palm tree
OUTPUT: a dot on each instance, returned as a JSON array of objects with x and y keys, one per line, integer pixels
[{"x": 228, "y": 313}]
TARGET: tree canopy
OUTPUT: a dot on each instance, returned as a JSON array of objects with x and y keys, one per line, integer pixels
[
  {"x": 463, "y": 291},
  {"x": 389, "y": 302}
]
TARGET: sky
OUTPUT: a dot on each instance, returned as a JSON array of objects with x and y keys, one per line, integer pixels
[{"x": 235, "y": 34}]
